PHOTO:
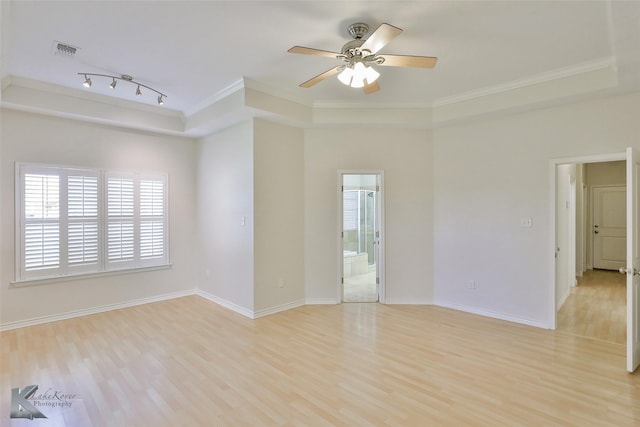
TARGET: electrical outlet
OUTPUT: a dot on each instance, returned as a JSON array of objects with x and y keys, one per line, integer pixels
[
  {"x": 471, "y": 284},
  {"x": 281, "y": 283}
]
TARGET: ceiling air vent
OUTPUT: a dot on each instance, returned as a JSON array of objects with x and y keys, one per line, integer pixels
[{"x": 63, "y": 49}]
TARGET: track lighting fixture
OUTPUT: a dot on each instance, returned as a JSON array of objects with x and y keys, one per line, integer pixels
[{"x": 126, "y": 78}]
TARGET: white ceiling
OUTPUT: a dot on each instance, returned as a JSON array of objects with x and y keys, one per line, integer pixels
[{"x": 192, "y": 50}]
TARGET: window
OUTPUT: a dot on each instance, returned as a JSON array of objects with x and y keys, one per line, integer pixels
[{"x": 82, "y": 221}]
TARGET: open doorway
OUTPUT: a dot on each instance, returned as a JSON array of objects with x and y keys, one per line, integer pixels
[
  {"x": 590, "y": 248},
  {"x": 361, "y": 234}
]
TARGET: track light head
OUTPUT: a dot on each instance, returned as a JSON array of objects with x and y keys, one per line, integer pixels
[{"x": 126, "y": 78}]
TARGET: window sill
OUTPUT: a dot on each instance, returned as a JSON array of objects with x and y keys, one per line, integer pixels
[{"x": 48, "y": 280}]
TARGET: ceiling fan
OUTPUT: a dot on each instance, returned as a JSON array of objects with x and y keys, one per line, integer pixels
[{"x": 360, "y": 54}]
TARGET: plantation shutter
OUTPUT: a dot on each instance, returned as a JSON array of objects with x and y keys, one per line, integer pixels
[
  {"x": 120, "y": 221},
  {"x": 152, "y": 227},
  {"x": 82, "y": 222},
  {"x": 41, "y": 216}
]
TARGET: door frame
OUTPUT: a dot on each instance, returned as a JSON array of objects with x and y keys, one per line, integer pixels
[
  {"x": 553, "y": 189},
  {"x": 380, "y": 264}
]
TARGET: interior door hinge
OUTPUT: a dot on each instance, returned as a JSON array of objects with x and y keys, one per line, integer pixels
[
  {"x": 342, "y": 188},
  {"x": 342, "y": 280},
  {"x": 377, "y": 280},
  {"x": 377, "y": 188}
]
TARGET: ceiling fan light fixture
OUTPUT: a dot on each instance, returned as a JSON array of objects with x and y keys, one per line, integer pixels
[
  {"x": 113, "y": 84},
  {"x": 371, "y": 75},
  {"x": 359, "y": 74},
  {"x": 360, "y": 54},
  {"x": 345, "y": 76},
  {"x": 355, "y": 83}
]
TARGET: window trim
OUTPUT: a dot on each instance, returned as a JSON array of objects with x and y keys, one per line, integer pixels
[
  {"x": 102, "y": 267},
  {"x": 64, "y": 279}
]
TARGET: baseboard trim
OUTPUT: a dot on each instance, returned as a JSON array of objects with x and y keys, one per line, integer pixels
[
  {"x": 409, "y": 301},
  {"x": 93, "y": 310},
  {"x": 279, "y": 308},
  {"x": 320, "y": 301},
  {"x": 260, "y": 313},
  {"x": 493, "y": 314},
  {"x": 226, "y": 304}
]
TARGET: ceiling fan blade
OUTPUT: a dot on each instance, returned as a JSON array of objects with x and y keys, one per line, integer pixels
[
  {"x": 373, "y": 87},
  {"x": 409, "y": 61},
  {"x": 312, "y": 51},
  {"x": 380, "y": 37},
  {"x": 321, "y": 77}
]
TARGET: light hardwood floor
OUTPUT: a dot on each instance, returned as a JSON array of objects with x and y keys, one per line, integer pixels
[
  {"x": 189, "y": 362},
  {"x": 361, "y": 288},
  {"x": 596, "y": 307}
]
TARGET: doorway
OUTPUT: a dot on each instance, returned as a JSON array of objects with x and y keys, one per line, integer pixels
[
  {"x": 361, "y": 236},
  {"x": 631, "y": 271},
  {"x": 590, "y": 244}
]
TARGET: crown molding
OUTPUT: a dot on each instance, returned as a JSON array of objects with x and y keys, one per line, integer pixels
[
  {"x": 23, "y": 82},
  {"x": 545, "y": 77},
  {"x": 279, "y": 93},
  {"x": 215, "y": 98},
  {"x": 245, "y": 83}
]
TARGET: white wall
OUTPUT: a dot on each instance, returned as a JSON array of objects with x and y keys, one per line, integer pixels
[
  {"x": 28, "y": 137},
  {"x": 606, "y": 173},
  {"x": 488, "y": 175},
  {"x": 405, "y": 156},
  {"x": 225, "y": 197},
  {"x": 279, "y": 216}
]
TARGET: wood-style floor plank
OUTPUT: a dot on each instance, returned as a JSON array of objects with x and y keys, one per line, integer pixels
[
  {"x": 596, "y": 308},
  {"x": 190, "y": 362}
]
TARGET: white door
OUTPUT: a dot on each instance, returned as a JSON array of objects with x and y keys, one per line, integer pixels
[
  {"x": 609, "y": 227},
  {"x": 633, "y": 259}
]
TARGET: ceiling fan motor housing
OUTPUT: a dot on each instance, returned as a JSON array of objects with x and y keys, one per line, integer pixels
[{"x": 358, "y": 30}]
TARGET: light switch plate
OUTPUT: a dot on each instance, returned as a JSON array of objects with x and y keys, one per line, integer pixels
[{"x": 526, "y": 222}]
